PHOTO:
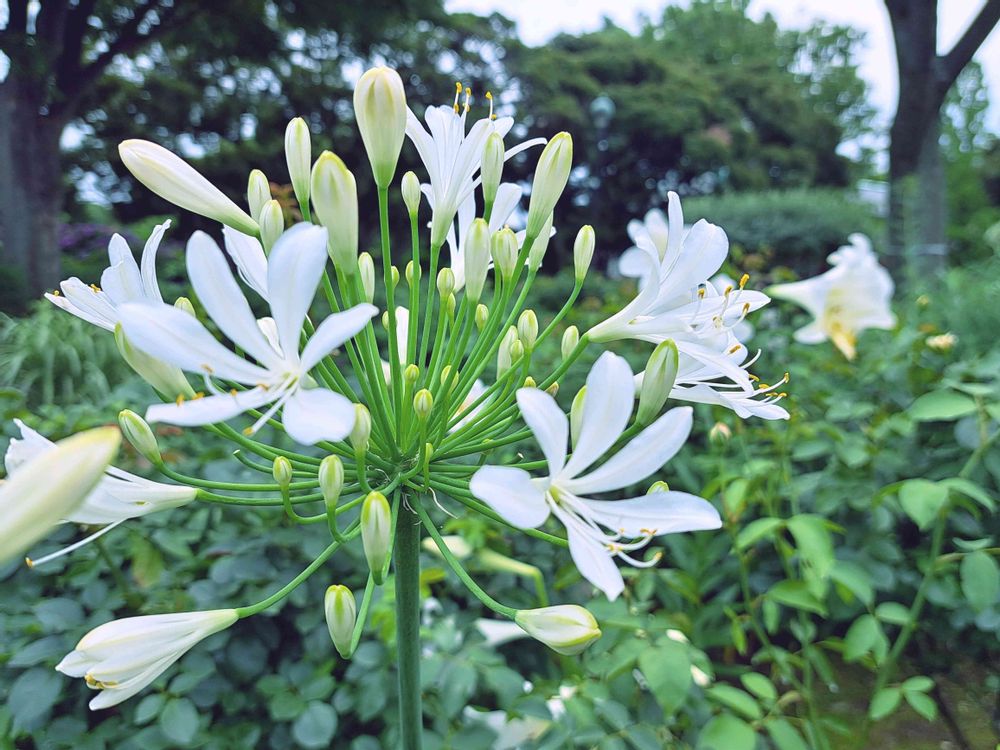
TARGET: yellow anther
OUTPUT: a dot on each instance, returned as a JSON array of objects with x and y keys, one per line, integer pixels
[
  {"x": 233, "y": 391},
  {"x": 179, "y": 400},
  {"x": 458, "y": 92},
  {"x": 744, "y": 279},
  {"x": 468, "y": 96},
  {"x": 782, "y": 395},
  {"x": 248, "y": 431},
  {"x": 701, "y": 292},
  {"x": 28, "y": 561},
  {"x": 746, "y": 307},
  {"x": 729, "y": 290},
  {"x": 763, "y": 385},
  {"x": 489, "y": 98},
  {"x": 198, "y": 395},
  {"x": 95, "y": 288},
  {"x": 207, "y": 368},
  {"x": 787, "y": 377},
  {"x": 735, "y": 348},
  {"x": 55, "y": 292},
  {"x": 753, "y": 377}
]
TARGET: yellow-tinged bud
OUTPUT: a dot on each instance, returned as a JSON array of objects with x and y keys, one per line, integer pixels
[
  {"x": 660, "y": 486},
  {"x": 138, "y": 433},
  {"x": 553, "y": 390},
  {"x": 380, "y": 109},
  {"x": 446, "y": 374},
  {"x": 516, "y": 351},
  {"x": 449, "y": 305},
  {"x": 455, "y": 544},
  {"x": 281, "y": 469},
  {"x": 376, "y": 527},
  {"x": 394, "y": 273},
  {"x": 341, "y": 616},
  {"x": 423, "y": 402},
  {"x": 477, "y": 258},
  {"x": 411, "y": 193},
  {"x": 537, "y": 252},
  {"x": 550, "y": 179},
  {"x": 527, "y": 328},
  {"x": 412, "y": 274},
  {"x": 570, "y": 338},
  {"x": 482, "y": 314},
  {"x": 445, "y": 282},
  {"x": 362, "y": 429},
  {"x": 258, "y": 192},
  {"x": 411, "y": 373},
  {"x": 529, "y": 382},
  {"x": 576, "y": 414},
  {"x": 168, "y": 380},
  {"x": 335, "y": 199},
  {"x": 720, "y": 433},
  {"x": 331, "y": 480},
  {"x": 176, "y": 181},
  {"x": 492, "y": 167},
  {"x": 567, "y": 628},
  {"x": 272, "y": 224},
  {"x": 183, "y": 303},
  {"x": 366, "y": 267},
  {"x": 657, "y": 381},
  {"x": 583, "y": 251},
  {"x": 298, "y": 156},
  {"x": 503, "y": 248}
]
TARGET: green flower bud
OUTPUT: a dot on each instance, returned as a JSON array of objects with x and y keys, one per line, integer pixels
[
  {"x": 503, "y": 248},
  {"x": 362, "y": 430},
  {"x": 380, "y": 110},
  {"x": 376, "y": 523},
  {"x": 660, "y": 486},
  {"x": 553, "y": 390},
  {"x": 272, "y": 224},
  {"x": 411, "y": 193},
  {"x": 366, "y": 267},
  {"x": 281, "y": 469},
  {"x": 335, "y": 198},
  {"x": 657, "y": 381},
  {"x": 516, "y": 351},
  {"x": 341, "y": 616},
  {"x": 576, "y": 414},
  {"x": 482, "y": 314},
  {"x": 412, "y": 274},
  {"x": 527, "y": 328},
  {"x": 567, "y": 628},
  {"x": 571, "y": 337},
  {"x": 529, "y": 382},
  {"x": 504, "y": 357},
  {"x": 449, "y": 306},
  {"x": 423, "y": 402},
  {"x": 183, "y": 303},
  {"x": 551, "y": 175},
  {"x": 137, "y": 432},
  {"x": 583, "y": 251},
  {"x": 477, "y": 258},
  {"x": 540, "y": 245},
  {"x": 258, "y": 192},
  {"x": 720, "y": 433},
  {"x": 394, "y": 273},
  {"x": 492, "y": 167},
  {"x": 410, "y": 374},
  {"x": 445, "y": 282},
  {"x": 455, "y": 544},
  {"x": 298, "y": 156},
  {"x": 331, "y": 480}
]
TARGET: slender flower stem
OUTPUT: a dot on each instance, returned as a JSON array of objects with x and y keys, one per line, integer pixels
[
  {"x": 390, "y": 290},
  {"x": 406, "y": 560}
]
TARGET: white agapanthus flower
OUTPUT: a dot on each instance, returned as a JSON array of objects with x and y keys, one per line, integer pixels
[
  {"x": 853, "y": 295},
  {"x": 280, "y": 376},
  {"x": 248, "y": 256},
  {"x": 508, "y": 196},
  {"x": 598, "y": 530},
  {"x": 122, "y": 657},
  {"x": 452, "y": 157},
  {"x": 122, "y": 281}
]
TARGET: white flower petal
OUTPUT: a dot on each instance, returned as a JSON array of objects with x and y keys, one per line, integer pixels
[
  {"x": 512, "y": 493},
  {"x": 606, "y": 411},
  {"x": 151, "y": 289},
  {"x": 210, "y": 409},
  {"x": 294, "y": 270},
  {"x": 548, "y": 423},
  {"x": 594, "y": 562},
  {"x": 248, "y": 255},
  {"x": 86, "y": 303},
  {"x": 334, "y": 331},
  {"x": 655, "y": 514},
  {"x": 314, "y": 414}
]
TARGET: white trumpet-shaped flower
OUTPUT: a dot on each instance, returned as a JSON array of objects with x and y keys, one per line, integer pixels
[
  {"x": 122, "y": 657},
  {"x": 853, "y": 295},
  {"x": 452, "y": 157},
  {"x": 280, "y": 376},
  {"x": 598, "y": 530}
]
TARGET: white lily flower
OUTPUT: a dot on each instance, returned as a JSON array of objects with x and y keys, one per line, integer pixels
[
  {"x": 453, "y": 157},
  {"x": 118, "y": 496},
  {"x": 853, "y": 295},
  {"x": 50, "y": 486},
  {"x": 280, "y": 376},
  {"x": 508, "y": 196},
  {"x": 598, "y": 530},
  {"x": 248, "y": 256},
  {"x": 122, "y": 657}
]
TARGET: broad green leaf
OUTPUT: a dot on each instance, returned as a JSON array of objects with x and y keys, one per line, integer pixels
[
  {"x": 179, "y": 720},
  {"x": 760, "y": 686},
  {"x": 813, "y": 541},
  {"x": 754, "y": 531},
  {"x": 922, "y": 499},
  {"x": 785, "y": 736},
  {"x": 149, "y": 707},
  {"x": 980, "y": 577},
  {"x": 736, "y": 699},
  {"x": 316, "y": 725},
  {"x": 971, "y": 490},
  {"x": 861, "y": 637},
  {"x": 918, "y": 684},
  {"x": 941, "y": 405},
  {"x": 796, "y": 594},
  {"x": 726, "y": 732},
  {"x": 923, "y": 704},
  {"x": 893, "y": 613},
  {"x": 855, "y": 580},
  {"x": 884, "y": 702},
  {"x": 667, "y": 669}
]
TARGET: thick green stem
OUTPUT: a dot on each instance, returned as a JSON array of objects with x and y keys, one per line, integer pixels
[{"x": 406, "y": 560}]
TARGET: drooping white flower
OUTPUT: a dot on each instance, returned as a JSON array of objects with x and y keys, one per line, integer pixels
[
  {"x": 853, "y": 295},
  {"x": 51, "y": 486},
  {"x": 598, "y": 530},
  {"x": 452, "y": 157},
  {"x": 280, "y": 376},
  {"x": 122, "y": 657}
]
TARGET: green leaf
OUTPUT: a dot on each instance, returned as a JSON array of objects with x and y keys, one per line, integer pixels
[
  {"x": 862, "y": 637},
  {"x": 785, "y": 736},
  {"x": 33, "y": 694},
  {"x": 179, "y": 720},
  {"x": 796, "y": 594},
  {"x": 923, "y": 704},
  {"x": 855, "y": 580},
  {"x": 813, "y": 541},
  {"x": 760, "y": 686},
  {"x": 149, "y": 707},
  {"x": 918, "y": 684},
  {"x": 726, "y": 732},
  {"x": 754, "y": 531},
  {"x": 667, "y": 669},
  {"x": 971, "y": 490},
  {"x": 893, "y": 613},
  {"x": 980, "y": 577},
  {"x": 736, "y": 699},
  {"x": 922, "y": 499},
  {"x": 884, "y": 702},
  {"x": 941, "y": 405},
  {"x": 316, "y": 726}
]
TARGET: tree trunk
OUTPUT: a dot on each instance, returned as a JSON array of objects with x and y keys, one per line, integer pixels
[
  {"x": 930, "y": 251},
  {"x": 31, "y": 194}
]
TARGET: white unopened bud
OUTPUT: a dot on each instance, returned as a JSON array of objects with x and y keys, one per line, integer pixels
[
  {"x": 482, "y": 315},
  {"x": 380, "y": 110},
  {"x": 362, "y": 430},
  {"x": 335, "y": 198},
  {"x": 376, "y": 528},
  {"x": 527, "y": 328},
  {"x": 551, "y": 175},
  {"x": 537, "y": 252},
  {"x": 445, "y": 282},
  {"x": 657, "y": 381},
  {"x": 183, "y": 303},
  {"x": 394, "y": 275},
  {"x": 503, "y": 248},
  {"x": 176, "y": 181},
  {"x": 477, "y": 258},
  {"x": 366, "y": 267},
  {"x": 567, "y": 628},
  {"x": 281, "y": 470},
  {"x": 410, "y": 374},
  {"x": 272, "y": 224},
  {"x": 570, "y": 338},
  {"x": 423, "y": 402},
  {"x": 576, "y": 414},
  {"x": 411, "y": 193},
  {"x": 492, "y": 167},
  {"x": 258, "y": 192},
  {"x": 516, "y": 351},
  {"x": 449, "y": 306},
  {"x": 341, "y": 616},
  {"x": 659, "y": 486},
  {"x": 298, "y": 156},
  {"x": 583, "y": 251},
  {"x": 137, "y": 432},
  {"x": 331, "y": 480}
]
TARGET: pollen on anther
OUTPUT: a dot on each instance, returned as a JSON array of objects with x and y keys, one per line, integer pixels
[
  {"x": 56, "y": 293},
  {"x": 744, "y": 279},
  {"x": 179, "y": 400},
  {"x": 233, "y": 391},
  {"x": 701, "y": 292},
  {"x": 248, "y": 431},
  {"x": 95, "y": 288},
  {"x": 198, "y": 395},
  {"x": 735, "y": 348}
]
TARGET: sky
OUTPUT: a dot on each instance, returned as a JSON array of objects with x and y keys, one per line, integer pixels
[{"x": 540, "y": 20}]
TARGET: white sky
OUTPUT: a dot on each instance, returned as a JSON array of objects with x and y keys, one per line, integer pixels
[{"x": 540, "y": 20}]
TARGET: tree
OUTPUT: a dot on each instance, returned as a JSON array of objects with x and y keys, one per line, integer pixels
[{"x": 916, "y": 170}]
